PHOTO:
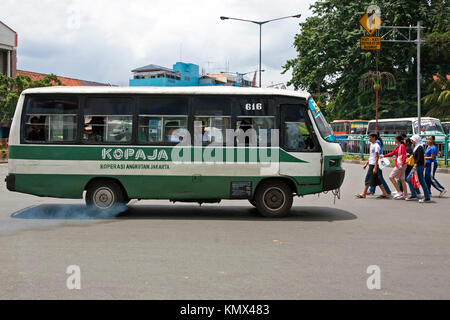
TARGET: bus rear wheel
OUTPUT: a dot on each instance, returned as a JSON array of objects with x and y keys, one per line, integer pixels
[
  {"x": 105, "y": 194},
  {"x": 273, "y": 199}
]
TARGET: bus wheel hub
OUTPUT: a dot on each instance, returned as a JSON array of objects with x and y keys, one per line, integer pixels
[
  {"x": 104, "y": 198},
  {"x": 274, "y": 198}
]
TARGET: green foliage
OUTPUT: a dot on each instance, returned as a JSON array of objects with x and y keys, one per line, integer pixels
[
  {"x": 439, "y": 98},
  {"x": 330, "y": 59},
  {"x": 11, "y": 88}
]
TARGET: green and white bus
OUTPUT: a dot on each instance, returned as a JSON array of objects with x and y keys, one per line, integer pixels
[{"x": 114, "y": 144}]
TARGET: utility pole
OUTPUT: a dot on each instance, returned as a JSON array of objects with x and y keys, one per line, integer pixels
[
  {"x": 399, "y": 35},
  {"x": 260, "y": 23},
  {"x": 419, "y": 122}
]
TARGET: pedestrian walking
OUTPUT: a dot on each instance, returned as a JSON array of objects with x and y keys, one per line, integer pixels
[
  {"x": 431, "y": 165},
  {"x": 399, "y": 169},
  {"x": 409, "y": 162},
  {"x": 380, "y": 172},
  {"x": 372, "y": 178},
  {"x": 419, "y": 167}
]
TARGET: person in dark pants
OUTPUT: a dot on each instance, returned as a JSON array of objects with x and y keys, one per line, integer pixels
[
  {"x": 380, "y": 172},
  {"x": 419, "y": 166},
  {"x": 431, "y": 166},
  {"x": 372, "y": 178}
]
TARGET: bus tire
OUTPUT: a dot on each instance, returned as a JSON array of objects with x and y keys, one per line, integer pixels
[
  {"x": 104, "y": 194},
  {"x": 273, "y": 199}
]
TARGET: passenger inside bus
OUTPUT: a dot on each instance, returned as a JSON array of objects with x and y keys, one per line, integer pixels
[
  {"x": 202, "y": 135},
  {"x": 246, "y": 124},
  {"x": 94, "y": 130},
  {"x": 174, "y": 133},
  {"x": 37, "y": 132},
  {"x": 298, "y": 137}
]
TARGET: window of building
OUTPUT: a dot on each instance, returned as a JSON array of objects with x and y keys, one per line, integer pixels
[
  {"x": 51, "y": 119},
  {"x": 108, "y": 120}
]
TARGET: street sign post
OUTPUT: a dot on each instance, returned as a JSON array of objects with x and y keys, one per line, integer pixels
[
  {"x": 370, "y": 21},
  {"x": 370, "y": 43}
]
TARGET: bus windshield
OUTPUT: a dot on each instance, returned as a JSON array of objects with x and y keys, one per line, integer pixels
[
  {"x": 324, "y": 128},
  {"x": 431, "y": 126}
]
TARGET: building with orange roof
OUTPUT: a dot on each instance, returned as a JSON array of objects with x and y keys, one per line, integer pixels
[{"x": 69, "y": 82}]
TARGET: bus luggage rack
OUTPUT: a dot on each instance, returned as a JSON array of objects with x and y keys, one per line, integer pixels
[{"x": 359, "y": 145}]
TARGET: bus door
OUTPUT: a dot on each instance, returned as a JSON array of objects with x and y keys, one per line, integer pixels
[{"x": 300, "y": 154}]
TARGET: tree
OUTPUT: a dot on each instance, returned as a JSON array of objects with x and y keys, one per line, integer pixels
[
  {"x": 11, "y": 88},
  {"x": 439, "y": 98},
  {"x": 328, "y": 47}
]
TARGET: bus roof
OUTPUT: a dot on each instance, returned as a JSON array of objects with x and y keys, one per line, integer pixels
[
  {"x": 404, "y": 119},
  {"x": 169, "y": 90}
]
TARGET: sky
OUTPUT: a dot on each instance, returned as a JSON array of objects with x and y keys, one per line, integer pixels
[{"x": 101, "y": 40}]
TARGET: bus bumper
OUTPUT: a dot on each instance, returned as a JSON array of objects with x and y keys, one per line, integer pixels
[
  {"x": 333, "y": 180},
  {"x": 11, "y": 182}
]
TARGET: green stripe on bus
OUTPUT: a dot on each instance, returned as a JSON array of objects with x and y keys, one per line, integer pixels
[
  {"x": 125, "y": 153},
  {"x": 150, "y": 187}
]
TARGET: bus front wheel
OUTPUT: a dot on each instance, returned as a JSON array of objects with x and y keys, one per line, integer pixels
[
  {"x": 105, "y": 194},
  {"x": 273, "y": 199}
]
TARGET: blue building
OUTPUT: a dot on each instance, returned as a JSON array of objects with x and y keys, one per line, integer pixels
[{"x": 182, "y": 75}]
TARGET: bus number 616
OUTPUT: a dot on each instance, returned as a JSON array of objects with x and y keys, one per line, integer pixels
[{"x": 253, "y": 106}]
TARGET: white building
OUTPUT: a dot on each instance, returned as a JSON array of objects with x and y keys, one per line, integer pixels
[{"x": 8, "y": 47}]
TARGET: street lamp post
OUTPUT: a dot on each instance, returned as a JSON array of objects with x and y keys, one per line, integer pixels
[{"x": 260, "y": 23}]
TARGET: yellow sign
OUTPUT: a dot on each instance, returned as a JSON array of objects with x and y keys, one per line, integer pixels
[
  {"x": 370, "y": 22},
  {"x": 370, "y": 43}
]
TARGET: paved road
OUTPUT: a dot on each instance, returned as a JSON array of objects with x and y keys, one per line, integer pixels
[{"x": 162, "y": 251}]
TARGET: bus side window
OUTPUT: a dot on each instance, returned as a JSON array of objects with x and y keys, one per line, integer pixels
[
  {"x": 162, "y": 119},
  {"x": 51, "y": 119},
  {"x": 108, "y": 119},
  {"x": 297, "y": 133},
  {"x": 212, "y": 117},
  {"x": 260, "y": 127}
]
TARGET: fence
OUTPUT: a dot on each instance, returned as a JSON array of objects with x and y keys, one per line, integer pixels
[
  {"x": 3, "y": 150},
  {"x": 359, "y": 145}
]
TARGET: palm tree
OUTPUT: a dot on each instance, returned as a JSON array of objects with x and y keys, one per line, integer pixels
[
  {"x": 377, "y": 81},
  {"x": 439, "y": 98}
]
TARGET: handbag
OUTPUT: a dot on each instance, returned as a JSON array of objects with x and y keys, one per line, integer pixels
[
  {"x": 415, "y": 180},
  {"x": 411, "y": 161}
]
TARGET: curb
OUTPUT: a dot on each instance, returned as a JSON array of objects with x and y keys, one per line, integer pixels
[{"x": 439, "y": 170}]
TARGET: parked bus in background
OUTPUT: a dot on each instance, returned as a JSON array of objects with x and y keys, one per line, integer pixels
[
  {"x": 347, "y": 133},
  {"x": 116, "y": 144},
  {"x": 408, "y": 126},
  {"x": 446, "y": 127},
  {"x": 346, "y": 127}
]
